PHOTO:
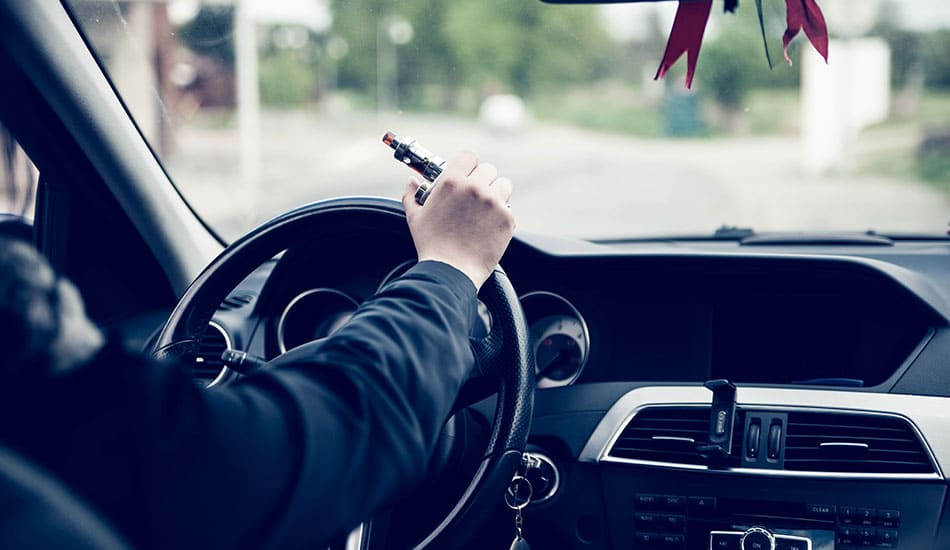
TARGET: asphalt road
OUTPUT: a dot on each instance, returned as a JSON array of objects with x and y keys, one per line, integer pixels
[{"x": 567, "y": 181}]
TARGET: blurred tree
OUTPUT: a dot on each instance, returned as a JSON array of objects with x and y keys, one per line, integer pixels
[
  {"x": 914, "y": 51},
  {"x": 733, "y": 62},
  {"x": 356, "y": 22},
  {"x": 288, "y": 71},
  {"x": 285, "y": 81},
  {"x": 430, "y": 57},
  {"x": 491, "y": 45},
  {"x": 211, "y": 32},
  {"x": 904, "y": 44},
  {"x": 935, "y": 58},
  {"x": 527, "y": 46}
]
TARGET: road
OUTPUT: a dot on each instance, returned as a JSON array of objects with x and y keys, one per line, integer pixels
[{"x": 568, "y": 181}]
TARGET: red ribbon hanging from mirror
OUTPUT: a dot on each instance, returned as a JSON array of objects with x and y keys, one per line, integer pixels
[
  {"x": 693, "y": 15},
  {"x": 686, "y": 36},
  {"x": 805, "y": 14}
]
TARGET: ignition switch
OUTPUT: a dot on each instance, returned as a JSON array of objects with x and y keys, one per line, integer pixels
[{"x": 543, "y": 475}]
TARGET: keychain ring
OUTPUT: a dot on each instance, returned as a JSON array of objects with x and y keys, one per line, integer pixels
[{"x": 512, "y": 498}]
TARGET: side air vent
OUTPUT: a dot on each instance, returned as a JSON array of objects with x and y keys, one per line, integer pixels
[
  {"x": 670, "y": 435},
  {"x": 208, "y": 363},
  {"x": 236, "y": 301},
  {"x": 853, "y": 443}
]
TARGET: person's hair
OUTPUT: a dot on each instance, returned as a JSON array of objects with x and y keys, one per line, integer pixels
[{"x": 29, "y": 317}]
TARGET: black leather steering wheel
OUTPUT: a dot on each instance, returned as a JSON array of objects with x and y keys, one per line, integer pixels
[{"x": 503, "y": 354}]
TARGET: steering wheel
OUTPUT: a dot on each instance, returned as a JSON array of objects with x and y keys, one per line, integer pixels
[{"x": 503, "y": 355}]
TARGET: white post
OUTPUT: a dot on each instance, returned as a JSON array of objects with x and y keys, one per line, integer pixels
[{"x": 248, "y": 101}]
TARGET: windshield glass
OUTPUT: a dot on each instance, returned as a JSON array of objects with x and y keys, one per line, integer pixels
[{"x": 257, "y": 106}]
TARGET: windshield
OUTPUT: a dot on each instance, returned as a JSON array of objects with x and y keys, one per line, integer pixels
[{"x": 257, "y": 106}]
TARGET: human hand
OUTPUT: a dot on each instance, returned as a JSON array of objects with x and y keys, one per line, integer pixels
[
  {"x": 43, "y": 320},
  {"x": 466, "y": 221}
]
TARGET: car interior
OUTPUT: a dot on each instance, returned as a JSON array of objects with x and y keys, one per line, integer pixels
[{"x": 753, "y": 391}]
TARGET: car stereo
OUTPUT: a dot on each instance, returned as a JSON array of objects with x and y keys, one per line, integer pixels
[{"x": 701, "y": 522}]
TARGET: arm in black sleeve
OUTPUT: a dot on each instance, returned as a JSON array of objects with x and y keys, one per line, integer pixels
[{"x": 286, "y": 457}]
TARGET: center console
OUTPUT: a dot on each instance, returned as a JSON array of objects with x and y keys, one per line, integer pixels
[
  {"x": 765, "y": 514},
  {"x": 762, "y": 469},
  {"x": 670, "y": 521}
]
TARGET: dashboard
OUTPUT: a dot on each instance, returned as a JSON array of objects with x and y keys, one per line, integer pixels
[{"x": 836, "y": 432}]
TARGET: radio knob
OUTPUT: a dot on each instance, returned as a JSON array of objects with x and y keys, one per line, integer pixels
[{"x": 757, "y": 538}]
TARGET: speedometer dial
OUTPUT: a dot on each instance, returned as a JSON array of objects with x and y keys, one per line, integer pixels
[
  {"x": 560, "y": 350},
  {"x": 312, "y": 315},
  {"x": 480, "y": 328},
  {"x": 559, "y": 337}
]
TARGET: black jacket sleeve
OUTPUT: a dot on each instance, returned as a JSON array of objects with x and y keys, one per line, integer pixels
[{"x": 286, "y": 457}]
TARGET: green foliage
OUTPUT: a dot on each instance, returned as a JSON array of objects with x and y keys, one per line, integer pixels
[
  {"x": 733, "y": 62},
  {"x": 285, "y": 81},
  {"x": 608, "y": 106},
  {"x": 935, "y": 58},
  {"x": 489, "y": 45},
  {"x": 933, "y": 157},
  {"x": 914, "y": 52}
]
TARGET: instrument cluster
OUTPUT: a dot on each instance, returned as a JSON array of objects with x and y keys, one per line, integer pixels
[{"x": 558, "y": 332}]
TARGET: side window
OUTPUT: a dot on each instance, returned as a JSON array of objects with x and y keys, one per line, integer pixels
[{"x": 18, "y": 178}]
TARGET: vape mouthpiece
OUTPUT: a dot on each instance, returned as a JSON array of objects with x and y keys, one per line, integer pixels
[{"x": 415, "y": 156}]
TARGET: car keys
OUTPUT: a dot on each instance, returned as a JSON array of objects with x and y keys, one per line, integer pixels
[
  {"x": 420, "y": 159},
  {"x": 517, "y": 496}
]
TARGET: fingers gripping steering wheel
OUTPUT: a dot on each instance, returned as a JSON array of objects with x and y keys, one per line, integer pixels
[{"x": 502, "y": 355}]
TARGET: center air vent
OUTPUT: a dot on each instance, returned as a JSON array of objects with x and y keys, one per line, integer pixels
[
  {"x": 853, "y": 443},
  {"x": 670, "y": 435},
  {"x": 208, "y": 363}
]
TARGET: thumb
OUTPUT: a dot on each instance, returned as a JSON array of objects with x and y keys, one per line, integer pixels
[{"x": 409, "y": 203}]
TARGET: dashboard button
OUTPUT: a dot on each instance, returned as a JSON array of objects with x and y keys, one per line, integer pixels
[
  {"x": 785, "y": 543},
  {"x": 658, "y": 541},
  {"x": 866, "y": 537},
  {"x": 702, "y": 504},
  {"x": 847, "y": 515},
  {"x": 822, "y": 511},
  {"x": 648, "y": 541},
  {"x": 673, "y": 503},
  {"x": 889, "y": 518},
  {"x": 647, "y": 502},
  {"x": 886, "y": 538},
  {"x": 660, "y": 503},
  {"x": 757, "y": 538},
  {"x": 724, "y": 541},
  {"x": 671, "y": 523},
  {"x": 646, "y": 520},
  {"x": 866, "y": 516},
  {"x": 848, "y": 535},
  {"x": 672, "y": 542}
]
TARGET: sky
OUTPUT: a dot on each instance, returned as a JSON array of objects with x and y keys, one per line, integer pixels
[{"x": 926, "y": 14}]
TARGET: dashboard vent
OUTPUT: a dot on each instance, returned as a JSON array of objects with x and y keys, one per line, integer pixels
[
  {"x": 236, "y": 301},
  {"x": 208, "y": 363},
  {"x": 853, "y": 443},
  {"x": 670, "y": 435}
]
